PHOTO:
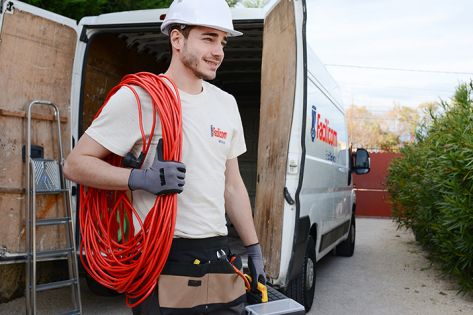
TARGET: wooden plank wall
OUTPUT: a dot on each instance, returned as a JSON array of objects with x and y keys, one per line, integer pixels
[
  {"x": 277, "y": 104},
  {"x": 36, "y": 57},
  {"x": 108, "y": 61}
]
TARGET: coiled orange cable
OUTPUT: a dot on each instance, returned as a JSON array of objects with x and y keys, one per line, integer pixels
[{"x": 110, "y": 251}]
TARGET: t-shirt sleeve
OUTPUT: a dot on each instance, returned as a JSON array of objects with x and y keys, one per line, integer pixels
[
  {"x": 117, "y": 126},
  {"x": 238, "y": 145}
]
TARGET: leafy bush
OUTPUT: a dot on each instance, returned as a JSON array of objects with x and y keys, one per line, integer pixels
[{"x": 431, "y": 186}]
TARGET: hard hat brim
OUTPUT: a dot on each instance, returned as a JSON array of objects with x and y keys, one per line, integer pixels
[{"x": 230, "y": 32}]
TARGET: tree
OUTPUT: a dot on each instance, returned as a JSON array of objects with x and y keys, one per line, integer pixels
[
  {"x": 77, "y": 9},
  {"x": 368, "y": 130},
  {"x": 406, "y": 120},
  {"x": 255, "y": 3},
  {"x": 428, "y": 111},
  {"x": 232, "y": 3},
  {"x": 390, "y": 131}
]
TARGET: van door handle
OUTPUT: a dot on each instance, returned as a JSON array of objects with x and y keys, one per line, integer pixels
[
  {"x": 288, "y": 197},
  {"x": 341, "y": 169}
]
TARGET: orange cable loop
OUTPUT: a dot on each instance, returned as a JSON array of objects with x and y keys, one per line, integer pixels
[{"x": 111, "y": 253}]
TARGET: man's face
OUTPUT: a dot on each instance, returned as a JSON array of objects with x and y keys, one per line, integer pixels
[{"x": 202, "y": 51}]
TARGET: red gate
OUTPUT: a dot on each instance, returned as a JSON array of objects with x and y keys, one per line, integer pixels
[{"x": 372, "y": 198}]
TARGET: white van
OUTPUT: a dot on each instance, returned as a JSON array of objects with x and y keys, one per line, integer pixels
[{"x": 298, "y": 166}]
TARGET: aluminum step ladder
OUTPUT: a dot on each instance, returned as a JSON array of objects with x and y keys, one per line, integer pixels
[{"x": 46, "y": 177}]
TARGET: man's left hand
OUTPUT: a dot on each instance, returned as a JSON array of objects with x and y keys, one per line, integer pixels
[{"x": 256, "y": 265}]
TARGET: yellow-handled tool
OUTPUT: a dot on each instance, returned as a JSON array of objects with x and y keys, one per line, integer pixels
[
  {"x": 257, "y": 292},
  {"x": 258, "y": 296}
]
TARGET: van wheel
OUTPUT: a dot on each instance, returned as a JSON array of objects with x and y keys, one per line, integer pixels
[
  {"x": 97, "y": 288},
  {"x": 347, "y": 247},
  {"x": 302, "y": 288}
]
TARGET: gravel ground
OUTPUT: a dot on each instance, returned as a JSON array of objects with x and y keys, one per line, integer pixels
[{"x": 388, "y": 274}]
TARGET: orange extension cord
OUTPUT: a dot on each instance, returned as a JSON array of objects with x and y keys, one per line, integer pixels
[{"x": 110, "y": 251}]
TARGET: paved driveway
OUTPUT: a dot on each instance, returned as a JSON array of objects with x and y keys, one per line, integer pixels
[{"x": 388, "y": 274}]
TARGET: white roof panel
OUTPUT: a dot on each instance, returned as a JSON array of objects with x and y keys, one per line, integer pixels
[{"x": 155, "y": 15}]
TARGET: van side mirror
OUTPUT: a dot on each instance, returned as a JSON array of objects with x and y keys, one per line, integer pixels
[{"x": 362, "y": 162}]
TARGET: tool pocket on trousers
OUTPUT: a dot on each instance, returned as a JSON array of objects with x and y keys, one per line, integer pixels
[
  {"x": 182, "y": 286},
  {"x": 224, "y": 284},
  {"x": 198, "y": 286},
  {"x": 224, "y": 288}
]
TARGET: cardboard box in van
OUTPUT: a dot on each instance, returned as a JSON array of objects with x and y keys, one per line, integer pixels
[{"x": 298, "y": 165}]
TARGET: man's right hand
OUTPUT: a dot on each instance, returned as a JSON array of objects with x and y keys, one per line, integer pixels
[{"x": 163, "y": 177}]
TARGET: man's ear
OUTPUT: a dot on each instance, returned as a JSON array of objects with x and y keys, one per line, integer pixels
[{"x": 176, "y": 39}]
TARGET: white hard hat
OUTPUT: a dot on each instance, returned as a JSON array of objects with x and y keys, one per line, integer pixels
[{"x": 210, "y": 13}]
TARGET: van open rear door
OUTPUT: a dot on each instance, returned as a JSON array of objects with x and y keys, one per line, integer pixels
[
  {"x": 36, "y": 57},
  {"x": 279, "y": 77}
]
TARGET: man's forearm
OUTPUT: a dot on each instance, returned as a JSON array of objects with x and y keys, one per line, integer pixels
[
  {"x": 93, "y": 172},
  {"x": 85, "y": 166},
  {"x": 239, "y": 212},
  {"x": 238, "y": 208}
]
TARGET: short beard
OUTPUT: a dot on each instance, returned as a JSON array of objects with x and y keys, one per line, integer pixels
[{"x": 192, "y": 63}]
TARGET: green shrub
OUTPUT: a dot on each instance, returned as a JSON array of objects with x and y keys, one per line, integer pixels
[{"x": 431, "y": 187}]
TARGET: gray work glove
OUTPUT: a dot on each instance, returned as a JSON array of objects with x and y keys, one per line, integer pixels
[
  {"x": 255, "y": 265},
  {"x": 163, "y": 177}
]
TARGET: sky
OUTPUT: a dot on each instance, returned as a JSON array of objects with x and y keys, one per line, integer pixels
[{"x": 350, "y": 36}]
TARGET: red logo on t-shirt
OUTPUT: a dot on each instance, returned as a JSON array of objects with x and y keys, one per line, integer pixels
[{"x": 217, "y": 132}]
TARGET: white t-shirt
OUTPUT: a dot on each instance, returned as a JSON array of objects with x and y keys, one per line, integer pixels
[{"x": 212, "y": 134}]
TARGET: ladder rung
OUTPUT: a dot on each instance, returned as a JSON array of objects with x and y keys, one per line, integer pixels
[
  {"x": 54, "y": 253},
  {"x": 55, "y": 285},
  {"x": 74, "y": 312},
  {"x": 51, "y": 192},
  {"x": 54, "y": 221}
]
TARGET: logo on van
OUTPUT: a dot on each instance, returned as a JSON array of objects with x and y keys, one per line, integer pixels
[
  {"x": 320, "y": 129},
  {"x": 314, "y": 119}
]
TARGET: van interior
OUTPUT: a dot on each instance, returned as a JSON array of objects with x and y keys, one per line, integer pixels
[{"x": 111, "y": 54}]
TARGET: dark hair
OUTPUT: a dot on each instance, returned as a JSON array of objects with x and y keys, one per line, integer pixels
[{"x": 182, "y": 28}]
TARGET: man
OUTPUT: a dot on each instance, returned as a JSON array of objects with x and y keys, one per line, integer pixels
[{"x": 195, "y": 279}]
